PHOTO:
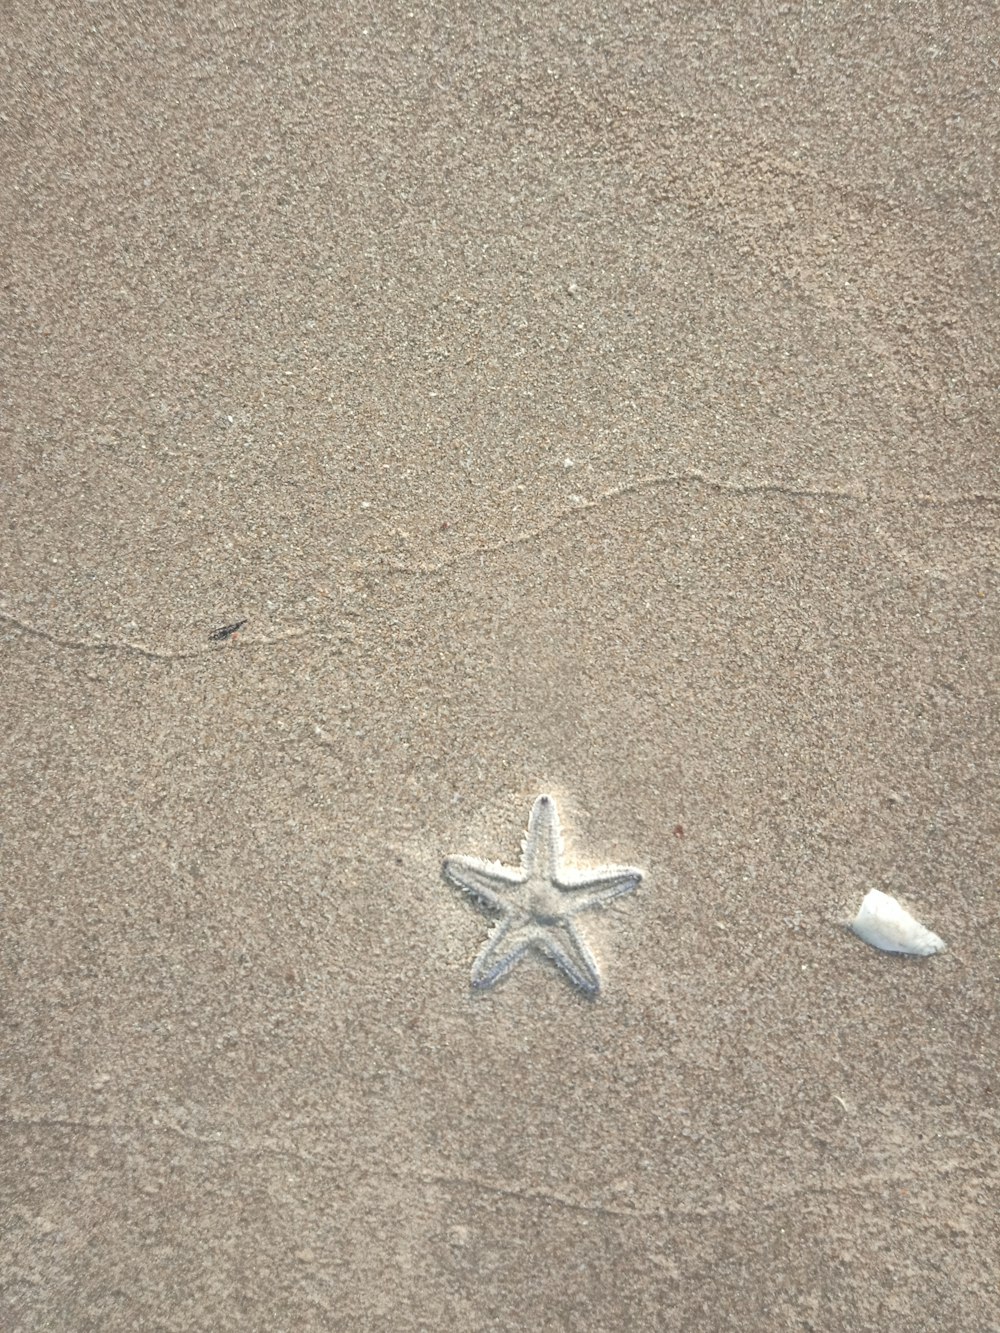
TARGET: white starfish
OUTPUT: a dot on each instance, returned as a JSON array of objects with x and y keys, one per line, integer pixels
[{"x": 538, "y": 904}]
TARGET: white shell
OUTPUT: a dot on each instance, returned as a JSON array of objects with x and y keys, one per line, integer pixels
[{"x": 884, "y": 923}]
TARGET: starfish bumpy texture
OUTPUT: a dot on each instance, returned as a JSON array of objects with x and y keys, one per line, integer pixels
[{"x": 539, "y": 903}]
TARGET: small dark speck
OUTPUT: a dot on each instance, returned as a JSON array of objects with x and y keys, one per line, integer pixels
[
  {"x": 227, "y": 630},
  {"x": 678, "y": 830}
]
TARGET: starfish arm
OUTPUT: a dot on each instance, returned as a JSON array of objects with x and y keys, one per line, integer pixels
[
  {"x": 594, "y": 888},
  {"x": 484, "y": 880},
  {"x": 570, "y": 954},
  {"x": 543, "y": 846},
  {"x": 505, "y": 947}
]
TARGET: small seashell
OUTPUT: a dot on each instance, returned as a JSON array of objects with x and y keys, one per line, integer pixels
[{"x": 886, "y": 924}]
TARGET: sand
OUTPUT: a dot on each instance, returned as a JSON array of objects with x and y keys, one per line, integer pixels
[{"x": 587, "y": 400}]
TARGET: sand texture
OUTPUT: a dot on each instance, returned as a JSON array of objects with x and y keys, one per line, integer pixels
[{"x": 590, "y": 400}]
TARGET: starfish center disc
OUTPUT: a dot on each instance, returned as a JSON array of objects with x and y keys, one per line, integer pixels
[{"x": 546, "y": 903}]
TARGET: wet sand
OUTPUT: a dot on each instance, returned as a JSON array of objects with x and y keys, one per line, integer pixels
[{"x": 593, "y": 403}]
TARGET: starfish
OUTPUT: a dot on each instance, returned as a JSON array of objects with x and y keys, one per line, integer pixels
[{"x": 539, "y": 903}]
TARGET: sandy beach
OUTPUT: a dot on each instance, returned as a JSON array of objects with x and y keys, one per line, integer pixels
[{"x": 591, "y": 401}]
